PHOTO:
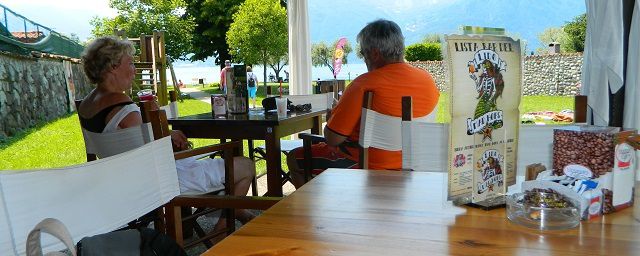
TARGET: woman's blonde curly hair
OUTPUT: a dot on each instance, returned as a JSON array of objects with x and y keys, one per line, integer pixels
[{"x": 103, "y": 54}]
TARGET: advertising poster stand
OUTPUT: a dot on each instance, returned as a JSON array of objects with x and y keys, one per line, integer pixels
[{"x": 485, "y": 81}]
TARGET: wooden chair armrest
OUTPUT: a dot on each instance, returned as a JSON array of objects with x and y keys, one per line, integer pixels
[
  {"x": 314, "y": 138},
  {"x": 225, "y": 201},
  {"x": 174, "y": 215},
  {"x": 206, "y": 149}
]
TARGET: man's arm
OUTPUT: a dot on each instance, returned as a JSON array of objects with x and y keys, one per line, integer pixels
[
  {"x": 342, "y": 120},
  {"x": 333, "y": 139}
]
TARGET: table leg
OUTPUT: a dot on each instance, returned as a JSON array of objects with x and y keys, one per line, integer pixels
[
  {"x": 272, "y": 145},
  {"x": 317, "y": 125},
  {"x": 239, "y": 151}
]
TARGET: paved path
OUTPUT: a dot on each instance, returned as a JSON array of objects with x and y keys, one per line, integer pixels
[
  {"x": 197, "y": 94},
  {"x": 262, "y": 181}
]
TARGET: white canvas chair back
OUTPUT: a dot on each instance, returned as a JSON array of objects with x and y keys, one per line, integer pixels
[
  {"x": 425, "y": 146},
  {"x": 535, "y": 146},
  {"x": 382, "y": 131},
  {"x": 317, "y": 101},
  {"x": 171, "y": 110},
  {"x": 431, "y": 117},
  {"x": 91, "y": 198},
  {"x": 118, "y": 141}
]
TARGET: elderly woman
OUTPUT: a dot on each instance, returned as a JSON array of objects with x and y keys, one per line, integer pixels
[{"x": 108, "y": 62}]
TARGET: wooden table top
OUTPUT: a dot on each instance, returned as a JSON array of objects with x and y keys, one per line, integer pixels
[{"x": 359, "y": 212}]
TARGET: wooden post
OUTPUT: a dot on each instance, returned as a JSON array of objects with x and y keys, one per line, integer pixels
[
  {"x": 161, "y": 65},
  {"x": 364, "y": 154},
  {"x": 580, "y": 109}
]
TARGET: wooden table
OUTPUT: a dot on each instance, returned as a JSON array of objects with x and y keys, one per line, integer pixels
[
  {"x": 358, "y": 212},
  {"x": 253, "y": 126}
]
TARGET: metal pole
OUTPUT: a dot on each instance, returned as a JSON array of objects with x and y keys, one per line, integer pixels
[{"x": 5, "y": 19}]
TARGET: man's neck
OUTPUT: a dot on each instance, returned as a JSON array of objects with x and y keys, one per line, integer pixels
[{"x": 381, "y": 64}]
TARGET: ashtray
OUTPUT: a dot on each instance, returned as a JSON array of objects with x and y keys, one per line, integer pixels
[{"x": 543, "y": 210}]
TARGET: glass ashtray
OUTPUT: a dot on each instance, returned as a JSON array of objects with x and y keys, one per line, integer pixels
[{"x": 543, "y": 214}]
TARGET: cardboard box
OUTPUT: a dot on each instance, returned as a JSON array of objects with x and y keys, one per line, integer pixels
[{"x": 600, "y": 154}]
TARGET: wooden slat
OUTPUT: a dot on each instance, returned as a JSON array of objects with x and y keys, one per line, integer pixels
[
  {"x": 407, "y": 108},
  {"x": 580, "y": 109},
  {"x": 364, "y": 152},
  {"x": 217, "y": 201}
]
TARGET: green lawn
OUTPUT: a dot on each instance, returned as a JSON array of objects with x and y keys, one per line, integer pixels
[
  {"x": 527, "y": 104},
  {"x": 59, "y": 143}
]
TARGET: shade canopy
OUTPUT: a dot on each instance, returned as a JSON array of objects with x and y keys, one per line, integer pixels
[
  {"x": 610, "y": 68},
  {"x": 299, "y": 48}
]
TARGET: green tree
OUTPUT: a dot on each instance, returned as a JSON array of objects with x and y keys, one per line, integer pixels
[
  {"x": 577, "y": 31},
  {"x": 423, "y": 52},
  {"x": 259, "y": 33},
  {"x": 557, "y": 35},
  {"x": 138, "y": 17},
  {"x": 278, "y": 64},
  {"x": 212, "y": 21},
  {"x": 322, "y": 54}
]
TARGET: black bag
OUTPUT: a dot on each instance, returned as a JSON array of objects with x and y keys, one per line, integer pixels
[
  {"x": 269, "y": 103},
  {"x": 143, "y": 242},
  {"x": 252, "y": 82}
]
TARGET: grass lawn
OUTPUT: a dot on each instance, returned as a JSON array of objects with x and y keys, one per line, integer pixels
[
  {"x": 59, "y": 143},
  {"x": 527, "y": 104}
]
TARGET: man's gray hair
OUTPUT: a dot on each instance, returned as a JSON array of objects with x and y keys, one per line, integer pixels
[{"x": 386, "y": 36}]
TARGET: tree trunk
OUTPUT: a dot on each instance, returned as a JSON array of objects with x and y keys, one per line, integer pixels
[{"x": 264, "y": 73}]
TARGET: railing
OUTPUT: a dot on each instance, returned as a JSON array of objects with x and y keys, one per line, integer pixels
[
  {"x": 20, "y": 28},
  {"x": 22, "y": 36}
]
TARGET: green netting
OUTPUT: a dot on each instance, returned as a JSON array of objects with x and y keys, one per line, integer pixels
[{"x": 21, "y": 36}]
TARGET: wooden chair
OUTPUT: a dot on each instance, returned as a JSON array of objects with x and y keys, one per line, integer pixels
[
  {"x": 155, "y": 127},
  {"x": 172, "y": 108},
  {"x": 160, "y": 129},
  {"x": 425, "y": 145},
  {"x": 202, "y": 201},
  {"x": 317, "y": 101},
  {"x": 99, "y": 145},
  {"x": 376, "y": 130},
  {"x": 90, "y": 198}
]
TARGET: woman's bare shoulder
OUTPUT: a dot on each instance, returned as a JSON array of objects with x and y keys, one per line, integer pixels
[{"x": 96, "y": 102}]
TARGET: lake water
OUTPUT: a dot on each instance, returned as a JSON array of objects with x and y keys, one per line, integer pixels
[{"x": 190, "y": 75}]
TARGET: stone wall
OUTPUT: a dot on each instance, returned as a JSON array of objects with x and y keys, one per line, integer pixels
[
  {"x": 557, "y": 74},
  {"x": 34, "y": 90},
  {"x": 437, "y": 71}
]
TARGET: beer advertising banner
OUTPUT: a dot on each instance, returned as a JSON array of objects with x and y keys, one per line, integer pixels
[{"x": 485, "y": 77}]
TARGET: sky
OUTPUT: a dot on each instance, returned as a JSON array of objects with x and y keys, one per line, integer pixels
[{"x": 416, "y": 17}]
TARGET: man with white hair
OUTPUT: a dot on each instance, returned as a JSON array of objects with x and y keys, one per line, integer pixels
[{"x": 389, "y": 78}]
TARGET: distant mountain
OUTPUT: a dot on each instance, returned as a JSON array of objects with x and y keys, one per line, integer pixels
[{"x": 331, "y": 19}]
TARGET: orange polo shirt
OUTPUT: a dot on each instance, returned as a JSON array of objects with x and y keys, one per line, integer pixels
[{"x": 388, "y": 85}]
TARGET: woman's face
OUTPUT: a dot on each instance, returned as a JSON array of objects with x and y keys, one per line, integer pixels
[{"x": 125, "y": 71}]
